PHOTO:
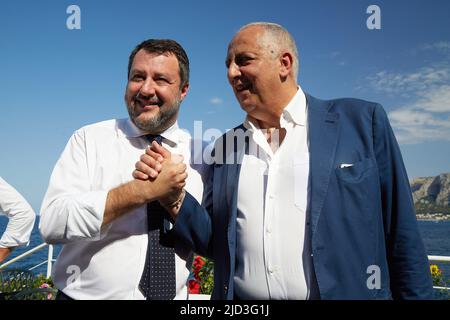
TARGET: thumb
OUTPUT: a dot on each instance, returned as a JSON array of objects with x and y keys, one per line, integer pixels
[{"x": 161, "y": 150}]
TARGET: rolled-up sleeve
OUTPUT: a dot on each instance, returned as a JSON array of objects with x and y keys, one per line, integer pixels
[
  {"x": 71, "y": 209},
  {"x": 21, "y": 217}
]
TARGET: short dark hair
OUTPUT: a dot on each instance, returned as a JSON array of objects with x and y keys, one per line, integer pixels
[{"x": 161, "y": 46}]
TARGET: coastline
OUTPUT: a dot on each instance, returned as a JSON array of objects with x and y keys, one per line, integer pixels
[{"x": 436, "y": 217}]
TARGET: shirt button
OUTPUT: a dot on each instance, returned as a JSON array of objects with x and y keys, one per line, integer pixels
[
  {"x": 269, "y": 231},
  {"x": 271, "y": 271}
]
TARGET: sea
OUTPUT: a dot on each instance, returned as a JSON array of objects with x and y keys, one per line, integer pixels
[{"x": 435, "y": 235}]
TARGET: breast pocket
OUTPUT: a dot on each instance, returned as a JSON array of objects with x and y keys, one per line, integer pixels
[{"x": 356, "y": 172}]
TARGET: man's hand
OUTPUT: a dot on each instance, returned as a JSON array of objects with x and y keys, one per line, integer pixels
[
  {"x": 151, "y": 166},
  {"x": 4, "y": 253},
  {"x": 169, "y": 182},
  {"x": 150, "y": 163},
  {"x": 167, "y": 187}
]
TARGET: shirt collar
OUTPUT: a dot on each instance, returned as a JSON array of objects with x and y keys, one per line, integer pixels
[
  {"x": 172, "y": 135},
  {"x": 295, "y": 112}
]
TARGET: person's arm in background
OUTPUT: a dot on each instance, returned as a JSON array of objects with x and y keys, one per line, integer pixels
[
  {"x": 4, "y": 253},
  {"x": 21, "y": 219},
  {"x": 408, "y": 263},
  {"x": 72, "y": 210}
]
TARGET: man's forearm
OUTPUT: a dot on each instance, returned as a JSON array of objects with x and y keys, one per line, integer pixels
[{"x": 123, "y": 199}]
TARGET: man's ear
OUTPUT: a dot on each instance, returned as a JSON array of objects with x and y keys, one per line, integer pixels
[
  {"x": 184, "y": 91},
  {"x": 286, "y": 64}
]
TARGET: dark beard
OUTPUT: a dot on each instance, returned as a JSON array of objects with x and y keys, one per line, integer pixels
[{"x": 163, "y": 120}]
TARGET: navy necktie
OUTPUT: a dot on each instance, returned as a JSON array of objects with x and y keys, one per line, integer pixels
[{"x": 158, "y": 278}]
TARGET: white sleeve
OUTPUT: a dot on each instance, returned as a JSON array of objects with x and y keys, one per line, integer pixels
[
  {"x": 21, "y": 217},
  {"x": 71, "y": 209}
]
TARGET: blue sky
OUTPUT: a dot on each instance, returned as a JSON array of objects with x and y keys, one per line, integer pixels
[{"x": 54, "y": 80}]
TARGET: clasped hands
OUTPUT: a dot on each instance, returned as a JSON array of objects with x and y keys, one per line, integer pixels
[{"x": 167, "y": 171}]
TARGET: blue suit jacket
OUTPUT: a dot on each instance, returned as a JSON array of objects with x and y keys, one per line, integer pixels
[{"x": 362, "y": 218}]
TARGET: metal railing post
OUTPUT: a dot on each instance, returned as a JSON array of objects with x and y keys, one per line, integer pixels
[{"x": 49, "y": 260}]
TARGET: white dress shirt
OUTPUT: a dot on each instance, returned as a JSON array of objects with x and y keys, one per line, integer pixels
[
  {"x": 272, "y": 253},
  {"x": 96, "y": 262},
  {"x": 21, "y": 217}
]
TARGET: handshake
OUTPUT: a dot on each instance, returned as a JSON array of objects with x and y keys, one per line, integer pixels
[{"x": 165, "y": 176}]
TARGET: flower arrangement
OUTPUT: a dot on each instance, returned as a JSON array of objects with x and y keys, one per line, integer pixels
[
  {"x": 439, "y": 281},
  {"x": 437, "y": 275},
  {"x": 201, "y": 280},
  {"x": 42, "y": 281},
  {"x": 17, "y": 284}
]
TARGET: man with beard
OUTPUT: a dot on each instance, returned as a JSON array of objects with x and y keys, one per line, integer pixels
[{"x": 113, "y": 229}]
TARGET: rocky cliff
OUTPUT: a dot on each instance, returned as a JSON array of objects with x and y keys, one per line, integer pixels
[{"x": 432, "y": 194}]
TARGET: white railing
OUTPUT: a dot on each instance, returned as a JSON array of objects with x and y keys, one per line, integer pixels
[
  {"x": 49, "y": 260},
  {"x": 439, "y": 258}
]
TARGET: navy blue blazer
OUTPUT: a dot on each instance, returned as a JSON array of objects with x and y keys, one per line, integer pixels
[{"x": 362, "y": 218}]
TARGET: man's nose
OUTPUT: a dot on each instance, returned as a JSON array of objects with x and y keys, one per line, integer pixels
[
  {"x": 233, "y": 72},
  {"x": 148, "y": 88}
]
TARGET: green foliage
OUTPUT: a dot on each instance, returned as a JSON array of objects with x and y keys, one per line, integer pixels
[
  {"x": 16, "y": 284},
  {"x": 42, "y": 281},
  {"x": 207, "y": 275}
]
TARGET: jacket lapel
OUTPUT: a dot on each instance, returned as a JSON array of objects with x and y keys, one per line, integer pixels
[{"x": 323, "y": 132}]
